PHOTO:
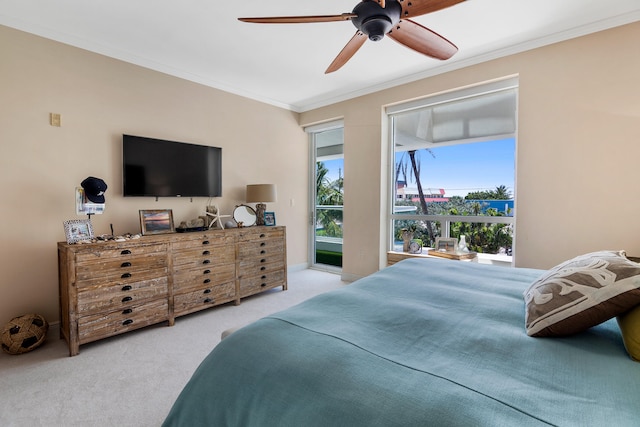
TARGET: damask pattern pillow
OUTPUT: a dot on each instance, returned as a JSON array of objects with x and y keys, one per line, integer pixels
[
  {"x": 629, "y": 323},
  {"x": 580, "y": 293}
]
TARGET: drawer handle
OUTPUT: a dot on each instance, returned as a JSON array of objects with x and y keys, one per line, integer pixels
[
  {"x": 206, "y": 281},
  {"x": 127, "y": 311},
  {"x": 263, "y": 244},
  {"x": 206, "y": 272},
  {"x": 263, "y": 260},
  {"x": 206, "y": 261},
  {"x": 263, "y": 268},
  {"x": 262, "y": 252},
  {"x": 207, "y": 300},
  {"x": 263, "y": 277},
  {"x": 207, "y": 291},
  {"x": 125, "y": 276},
  {"x": 126, "y": 288},
  {"x": 127, "y": 299},
  {"x": 263, "y": 285},
  {"x": 206, "y": 242},
  {"x": 125, "y": 264},
  {"x": 262, "y": 235},
  {"x": 206, "y": 253},
  {"x": 125, "y": 252},
  {"x": 127, "y": 322}
]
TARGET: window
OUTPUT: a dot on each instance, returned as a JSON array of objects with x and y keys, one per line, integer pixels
[{"x": 454, "y": 168}]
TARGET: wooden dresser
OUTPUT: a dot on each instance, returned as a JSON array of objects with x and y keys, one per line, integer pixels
[{"x": 109, "y": 288}]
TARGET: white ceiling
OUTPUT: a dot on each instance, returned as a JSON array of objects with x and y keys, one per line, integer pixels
[{"x": 283, "y": 64}]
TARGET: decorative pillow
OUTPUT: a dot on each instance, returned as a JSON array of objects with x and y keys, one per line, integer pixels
[
  {"x": 580, "y": 293},
  {"x": 629, "y": 323}
]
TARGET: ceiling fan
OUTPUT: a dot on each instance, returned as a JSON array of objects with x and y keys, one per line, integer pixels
[{"x": 376, "y": 18}]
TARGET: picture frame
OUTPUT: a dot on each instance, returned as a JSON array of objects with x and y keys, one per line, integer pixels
[
  {"x": 269, "y": 219},
  {"x": 78, "y": 230},
  {"x": 84, "y": 206},
  {"x": 156, "y": 221},
  {"x": 446, "y": 244}
]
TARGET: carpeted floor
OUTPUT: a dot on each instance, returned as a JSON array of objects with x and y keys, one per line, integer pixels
[{"x": 132, "y": 379}]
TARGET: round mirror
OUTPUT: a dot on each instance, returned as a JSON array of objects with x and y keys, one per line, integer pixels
[{"x": 244, "y": 214}]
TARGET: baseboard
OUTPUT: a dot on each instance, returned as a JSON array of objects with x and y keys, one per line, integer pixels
[{"x": 350, "y": 277}]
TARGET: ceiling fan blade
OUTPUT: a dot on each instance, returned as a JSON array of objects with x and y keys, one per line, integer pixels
[
  {"x": 347, "y": 52},
  {"x": 421, "y": 7},
  {"x": 300, "y": 19},
  {"x": 422, "y": 39}
]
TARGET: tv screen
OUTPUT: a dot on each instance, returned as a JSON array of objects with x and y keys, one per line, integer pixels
[{"x": 155, "y": 167}]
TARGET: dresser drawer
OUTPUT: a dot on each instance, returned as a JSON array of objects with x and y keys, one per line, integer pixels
[
  {"x": 99, "y": 253},
  {"x": 257, "y": 249},
  {"x": 204, "y": 256},
  {"x": 117, "y": 296},
  {"x": 260, "y": 234},
  {"x": 255, "y": 284},
  {"x": 196, "y": 241},
  {"x": 114, "y": 269},
  {"x": 202, "y": 298},
  {"x": 98, "y": 326},
  {"x": 262, "y": 263},
  {"x": 211, "y": 275}
]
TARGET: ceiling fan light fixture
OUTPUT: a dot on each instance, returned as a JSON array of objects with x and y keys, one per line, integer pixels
[{"x": 376, "y": 27}]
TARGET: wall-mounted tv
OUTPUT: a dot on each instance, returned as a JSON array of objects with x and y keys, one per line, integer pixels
[{"x": 160, "y": 168}]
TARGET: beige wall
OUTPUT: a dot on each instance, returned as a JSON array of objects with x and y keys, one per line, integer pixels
[
  {"x": 577, "y": 150},
  {"x": 99, "y": 100}
]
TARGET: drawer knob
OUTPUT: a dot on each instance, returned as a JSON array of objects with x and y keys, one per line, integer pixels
[
  {"x": 127, "y": 322},
  {"x": 125, "y": 264},
  {"x": 208, "y": 300},
  {"x": 263, "y": 268},
  {"x": 207, "y": 291},
  {"x": 127, "y": 311},
  {"x": 206, "y": 272},
  {"x": 125, "y": 252},
  {"x": 263, "y": 277},
  {"x": 206, "y": 281},
  {"x": 263, "y": 260},
  {"x": 206, "y": 261},
  {"x": 262, "y": 244},
  {"x": 206, "y": 252},
  {"x": 125, "y": 276},
  {"x": 205, "y": 242},
  {"x": 126, "y": 288},
  {"x": 262, "y": 252},
  {"x": 127, "y": 299},
  {"x": 263, "y": 285},
  {"x": 262, "y": 235}
]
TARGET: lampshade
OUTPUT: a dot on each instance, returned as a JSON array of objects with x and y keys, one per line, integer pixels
[{"x": 261, "y": 193}]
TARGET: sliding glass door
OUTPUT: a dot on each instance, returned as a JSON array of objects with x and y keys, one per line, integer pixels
[{"x": 327, "y": 195}]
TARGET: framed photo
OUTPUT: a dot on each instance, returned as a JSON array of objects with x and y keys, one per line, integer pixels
[
  {"x": 78, "y": 230},
  {"x": 269, "y": 219},
  {"x": 447, "y": 244},
  {"x": 85, "y": 206},
  {"x": 156, "y": 221}
]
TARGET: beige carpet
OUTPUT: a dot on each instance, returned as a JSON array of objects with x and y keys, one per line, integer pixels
[{"x": 132, "y": 379}]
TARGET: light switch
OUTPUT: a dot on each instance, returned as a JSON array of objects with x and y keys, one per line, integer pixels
[{"x": 54, "y": 119}]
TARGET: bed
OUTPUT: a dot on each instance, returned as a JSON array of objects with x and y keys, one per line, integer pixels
[{"x": 423, "y": 342}]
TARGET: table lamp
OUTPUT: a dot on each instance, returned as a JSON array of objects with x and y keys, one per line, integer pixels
[{"x": 261, "y": 194}]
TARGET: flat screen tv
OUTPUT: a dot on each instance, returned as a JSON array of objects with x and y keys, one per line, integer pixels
[{"x": 160, "y": 168}]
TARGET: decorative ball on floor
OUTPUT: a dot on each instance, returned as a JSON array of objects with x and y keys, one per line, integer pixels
[{"x": 24, "y": 333}]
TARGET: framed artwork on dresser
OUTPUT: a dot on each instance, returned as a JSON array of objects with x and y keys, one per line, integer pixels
[
  {"x": 269, "y": 219},
  {"x": 156, "y": 221},
  {"x": 78, "y": 230}
]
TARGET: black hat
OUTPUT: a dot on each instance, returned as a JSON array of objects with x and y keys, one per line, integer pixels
[{"x": 94, "y": 189}]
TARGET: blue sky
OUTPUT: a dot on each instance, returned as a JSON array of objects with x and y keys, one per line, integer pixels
[{"x": 462, "y": 168}]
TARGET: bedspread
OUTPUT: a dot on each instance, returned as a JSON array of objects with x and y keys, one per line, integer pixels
[{"x": 423, "y": 342}]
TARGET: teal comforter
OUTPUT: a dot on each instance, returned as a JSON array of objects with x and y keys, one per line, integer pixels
[{"x": 426, "y": 342}]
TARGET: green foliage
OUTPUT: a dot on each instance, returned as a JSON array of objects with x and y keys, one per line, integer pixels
[
  {"x": 500, "y": 193},
  {"x": 329, "y": 193}
]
